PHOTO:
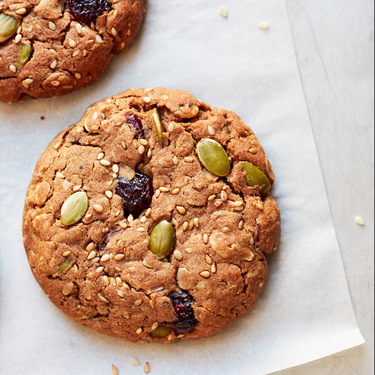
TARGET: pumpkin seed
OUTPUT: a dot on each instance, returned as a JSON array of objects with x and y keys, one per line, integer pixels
[
  {"x": 162, "y": 239},
  {"x": 65, "y": 266},
  {"x": 74, "y": 208},
  {"x": 24, "y": 55},
  {"x": 8, "y": 27},
  {"x": 213, "y": 156},
  {"x": 160, "y": 332},
  {"x": 158, "y": 125},
  {"x": 255, "y": 177}
]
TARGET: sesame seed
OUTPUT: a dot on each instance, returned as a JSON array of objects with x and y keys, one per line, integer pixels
[
  {"x": 175, "y": 160},
  {"x": 115, "y": 370},
  {"x": 138, "y": 302},
  {"x": 78, "y": 75},
  {"x": 118, "y": 281},
  {"x": 147, "y": 368},
  {"x": 211, "y": 197},
  {"x": 213, "y": 268},
  {"x": 238, "y": 203},
  {"x": 134, "y": 362},
  {"x": 165, "y": 97},
  {"x": 181, "y": 210},
  {"x": 122, "y": 224},
  {"x": 79, "y": 28},
  {"x": 97, "y": 207},
  {"x": 223, "y": 196},
  {"x": 188, "y": 159},
  {"x": 240, "y": 225},
  {"x": 130, "y": 218},
  {"x": 59, "y": 175},
  {"x": 100, "y": 155},
  {"x": 253, "y": 150},
  {"x": 19, "y": 31},
  {"x": 164, "y": 189},
  {"x": 12, "y": 68},
  {"x": 148, "y": 90},
  {"x": 119, "y": 256},
  {"x": 223, "y": 12},
  {"x": 143, "y": 219},
  {"x": 188, "y": 250},
  {"x": 217, "y": 204},
  {"x": 149, "y": 152},
  {"x": 76, "y": 53},
  {"x": 126, "y": 315},
  {"x": 196, "y": 222},
  {"x": 95, "y": 116},
  {"x": 205, "y": 274},
  {"x": 21, "y": 11},
  {"x": 141, "y": 149},
  {"x": 211, "y": 131},
  {"x": 360, "y": 221},
  {"x": 18, "y": 38},
  {"x": 138, "y": 331},
  {"x": 178, "y": 254},
  {"x": 191, "y": 225},
  {"x": 52, "y": 26},
  {"x": 157, "y": 193},
  {"x": 208, "y": 259},
  {"x": 114, "y": 31},
  {"x": 99, "y": 269},
  {"x": 67, "y": 289},
  {"x": 141, "y": 229},
  {"x": 185, "y": 226},
  {"x": 146, "y": 99},
  {"x": 152, "y": 303},
  {"x": 171, "y": 127},
  {"x": 77, "y": 187},
  {"x": 96, "y": 260},
  {"x": 148, "y": 212},
  {"x": 55, "y": 83},
  {"x": 109, "y": 193},
  {"x": 240, "y": 208},
  {"x": 250, "y": 257},
  {"x": 104, "y": 258},
  {"x": 154, "y": 326},
  {"x": 143, "y": 142},
  {"x": 72, "y": 43},
  {"x": 105, "y": 162},
  {"x": 129, "y": 33},
  {"x": 175, "y": 191},
  {"x": 99, "y": 38},
  {"x": 205, "y": 238},
  {"x": 226, "y": 230},
  {"x": 53, "y": 64},
  {"x": 251, "y": 240},
  {"x": 264, "y": 25},
  {"x": 67, "y": 253}
]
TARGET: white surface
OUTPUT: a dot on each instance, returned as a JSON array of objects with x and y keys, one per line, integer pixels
[
  {"x": 334, "y": 42},
  {"x": 304, "y": 312}
]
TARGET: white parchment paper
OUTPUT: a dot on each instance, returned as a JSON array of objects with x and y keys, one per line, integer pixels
[{"x": 304, "y": 312}]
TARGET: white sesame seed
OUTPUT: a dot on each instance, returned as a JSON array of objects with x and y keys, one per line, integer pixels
[
  {"x": 149, "y": 152},
  {"x": 67, "y": 253},
  {"x": 188, "y": 159},
  {"x": 59, "y": 175},
  {"x": 122, "y": 224},
  {"x": 205, "y": 238},
  {"x": 97, "y": 207},
  {"x": 208, "y": 259},
  {"x": 171, "y": 127},
  {"x": 77, "y": 187},
  {"x": 360, "y": 221},
  {"x": 109, "y": 193},
  {"x": 90, "y": 246},
  {"x": 163, "y": 189},
  {"x": 99, "y": 269},
  {"x": 175, "y": 191},
  {"x": 21, "y": 11},
  {"x": 141, "y": 149},
  {"x": 138, "y": 331},
  {"x": 76, "y": 53},
  {"x": 196, "y": 222},
  {"x": 113, "y": 31},
  {"x": 157, "y": 193},
  {"x": 119, "y": 256},
  {"x": 52, "y": 26},
  {"x": 253, "y": 150},
  {"x": 185, "y": 225},
  {"x": 130, "y": 218},
  {"x": 53, "y": 64},
  {"x": 211, "y": 197},
  {"x": 115, "y": 168},
  {"x": 264, "y": 25},
  {"x": 213, "y": 268},
  {"x": 18, "y": 38},
  {"x": 181, "y": 210},
  {"x": 99, "y": 38},
  {"x": 134, "y": 362},
  {"x": 205, "y": 274},
  {"x": 96, "y": 260},
  {"x": 141, "y": 229},
  {"x": 211, "y": 131},
  {"x": 78, "y": 28},
  {"x": 143, "y": 142},
  {"x": 105, "y": 162},
  {"x": 177, "y": 254},
  {"x": 240, "y": 225},
  {"x": 238, "y": 204},
  {"x": 12, "y": 68},
  {"x": 223, "y": 12},
  {"x": 143, "y": 219},
  {"x": 100, "y": 155},
  {"x": 72, "y": 43},
  {"x": 251, "y": 240},
  {"x": 223, "y": 196},
  {"x": 146, "y": 99},
  {"x": 148, "y": 212},
  {"x": 175, "y": 160},
  {"x": 226, "y": 230},
  {"x": 104, "y": 258}
]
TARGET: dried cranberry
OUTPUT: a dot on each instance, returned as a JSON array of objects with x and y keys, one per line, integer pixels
[
  {"x": 185, "y": 313},
  {"x": 87, "y": 11},
  {"x": 134, "y": 120},
  {"x": 136, "y": 194}
]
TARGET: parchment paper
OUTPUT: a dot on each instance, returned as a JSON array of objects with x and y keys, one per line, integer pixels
[{"x": 304, "y": 312}]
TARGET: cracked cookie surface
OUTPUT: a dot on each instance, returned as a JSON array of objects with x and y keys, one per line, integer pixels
[
  {"x": 49, "y": 48},
  {"x": 186, "y": 265}
]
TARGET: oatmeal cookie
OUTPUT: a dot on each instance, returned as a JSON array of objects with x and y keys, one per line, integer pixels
[
  {"x": 49, "y": 48},
  {"x": 151, "y": 218}
]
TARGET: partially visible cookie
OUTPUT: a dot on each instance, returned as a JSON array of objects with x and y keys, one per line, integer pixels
[
  {"x": 50, "y": 48},
  {"x": 151, "y": 218}
]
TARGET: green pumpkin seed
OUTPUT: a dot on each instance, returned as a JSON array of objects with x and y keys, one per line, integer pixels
[
  {"x": 74, "y": 208},
  {"x": 65, "y": 266},
  {"x": 255, "y": 177},
  {"x": 24, "y": 55},
  {"x": 8, "y": 27},
  {"x": 160, "y": 332},
  {"x": 213, "y": 156},
  {"x": 158, "y": 125},
  {"x": 162, "y": 239}
]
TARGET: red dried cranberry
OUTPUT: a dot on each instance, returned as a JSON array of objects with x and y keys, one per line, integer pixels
[
  {"x": 185, "y": 313},
  {"x": 134, "y": 120},
  {"x": 87, "y": 11},
  {"x": 136, "y": 194}
]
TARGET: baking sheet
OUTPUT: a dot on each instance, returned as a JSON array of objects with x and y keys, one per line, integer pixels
[{"x": 304, "y": 312}]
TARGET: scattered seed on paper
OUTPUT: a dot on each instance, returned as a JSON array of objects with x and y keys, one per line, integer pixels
[
  {"x": 264, "y": 25},
  {"x": 360, "y": 221},
  {"x": 223, "y": 12}
]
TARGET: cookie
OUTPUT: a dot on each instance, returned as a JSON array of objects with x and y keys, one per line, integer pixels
[
  {"x": 151, "y": 218},
  {"x": 50, "y": 48}
]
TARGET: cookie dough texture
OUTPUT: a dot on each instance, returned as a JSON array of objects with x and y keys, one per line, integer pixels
[
  {"x": 100, "y": 271},
  {"x": 63, "y": 55}
]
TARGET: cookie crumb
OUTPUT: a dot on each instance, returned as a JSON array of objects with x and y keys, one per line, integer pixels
[
  {"x": 147, "y": 368},
  {"x": 115, "y": 370},
  {"x": 360, "y": 221},
  {"x": 223, "y": 12},
  {"x": 42, "y": 118},
  {"x": 134, "y": 362},
  {"x": 264, "y": 25}
]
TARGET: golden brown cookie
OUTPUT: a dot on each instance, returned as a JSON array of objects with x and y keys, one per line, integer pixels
[
  {"x": 50, "y": 48},
  {"x": 151, "y": 218}
]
